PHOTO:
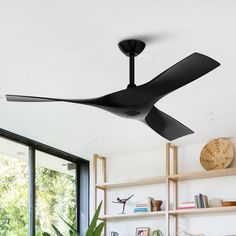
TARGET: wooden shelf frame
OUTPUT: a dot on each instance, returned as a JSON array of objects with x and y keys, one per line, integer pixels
[
  {"x": 169, "y": 214},
  {"x": 96, "y": 158}
]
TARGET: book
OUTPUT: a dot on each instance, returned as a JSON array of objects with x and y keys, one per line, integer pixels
[
  {"x": 201, "y": 201},
  {"x": 196, "y": 201},
  {"x": 187, "y": 205},
  {"x": 205, "y": 200},
  {"x": 142, "y": 205},
  {"x": 139, "y": 209}
]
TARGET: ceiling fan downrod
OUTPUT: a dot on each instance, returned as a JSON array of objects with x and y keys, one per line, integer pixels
[
  {"x": 131, "y": 48},
  {"x": 131, "y": 72}
]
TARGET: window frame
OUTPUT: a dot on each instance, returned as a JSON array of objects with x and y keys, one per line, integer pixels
[{"x": 82, "y": 179}]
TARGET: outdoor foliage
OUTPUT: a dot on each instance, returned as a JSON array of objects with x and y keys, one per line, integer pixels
[
  {"x": 55, "y": 194},
  {"x": 13, "y": 197}
]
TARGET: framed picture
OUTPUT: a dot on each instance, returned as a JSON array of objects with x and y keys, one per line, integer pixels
[
  {"x": 142, "y": 231},
  {"x": 114, "y": 234}
]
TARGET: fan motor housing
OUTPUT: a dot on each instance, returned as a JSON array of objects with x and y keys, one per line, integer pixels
[{"x": 132, "y": 113}]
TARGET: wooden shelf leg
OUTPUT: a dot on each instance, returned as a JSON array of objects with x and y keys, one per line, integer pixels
[
  {"x": 168, "y": 189},
  {"x": 104, "y": 172},
  {"x": 95, "y": 157},
  {"x": 175, "y": 172},
  {"x": 95, "y": 180}
]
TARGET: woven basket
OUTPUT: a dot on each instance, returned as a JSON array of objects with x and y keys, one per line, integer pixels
[{"x": 217, "y": 154}]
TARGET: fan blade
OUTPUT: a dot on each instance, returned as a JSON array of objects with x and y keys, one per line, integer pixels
[
  {"x": 21, "y": 98},
  {"x": 128, "y": 103},
  {"x": 165, "y": 125},
  {"x": 180, "y": 74}
]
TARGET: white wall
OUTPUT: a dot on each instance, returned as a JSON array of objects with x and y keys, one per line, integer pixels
[{"x": 150, "y": 164}]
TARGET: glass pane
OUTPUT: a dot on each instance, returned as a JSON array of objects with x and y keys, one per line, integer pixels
[
  {"x": 55, "y": 193},
  {"x": 13, "y": 188}
]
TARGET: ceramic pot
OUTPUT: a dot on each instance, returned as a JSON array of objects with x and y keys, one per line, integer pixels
[{"x": 156, "y": 205}]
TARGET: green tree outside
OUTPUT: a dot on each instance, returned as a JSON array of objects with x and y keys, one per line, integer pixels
[{"x": 55, "y": 195}]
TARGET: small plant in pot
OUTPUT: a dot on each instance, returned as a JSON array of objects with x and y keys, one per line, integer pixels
[
  {"x": 157, "y": 233},
  {"x": 93, "y": 230}
]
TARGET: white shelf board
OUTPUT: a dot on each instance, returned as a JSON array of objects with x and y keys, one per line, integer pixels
[
  {"x": 133, "y": 215},
  {"x": 203, "y": 210},
  {"x": 135, "y": 182},
  {"x": 204, "y": 174}
]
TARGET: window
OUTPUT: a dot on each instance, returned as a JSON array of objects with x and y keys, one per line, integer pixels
[
  {"x": 55, "y": 193},
  {"x": 13, "y": 189},
  {"x": 38, "y": 185}
]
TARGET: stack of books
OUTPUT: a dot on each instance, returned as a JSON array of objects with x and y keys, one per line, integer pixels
[
  {"x": 186, "y": 205},
  {"x": 144, "y": 207},
  {"x": 201, "y": 201},
  {"x": 141, "y": 208}
]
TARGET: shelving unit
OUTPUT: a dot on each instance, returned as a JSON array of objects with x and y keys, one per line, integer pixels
[{"x": 169, "y": 214}]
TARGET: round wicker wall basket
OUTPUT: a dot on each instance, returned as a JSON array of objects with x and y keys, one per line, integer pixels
[{"x": 217, "y": 154}]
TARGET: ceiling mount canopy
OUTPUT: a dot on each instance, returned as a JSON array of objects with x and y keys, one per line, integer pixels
[
  {"x": 131, "y": 47},
  {"x": 137, "y": 102}
]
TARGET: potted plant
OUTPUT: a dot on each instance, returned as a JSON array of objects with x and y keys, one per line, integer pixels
[
  {"x": 157, "y": 233},
  {"x": 93, "y": 230}
]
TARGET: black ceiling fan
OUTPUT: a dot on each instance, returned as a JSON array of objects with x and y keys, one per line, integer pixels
[{"x": 137, "y": 102}]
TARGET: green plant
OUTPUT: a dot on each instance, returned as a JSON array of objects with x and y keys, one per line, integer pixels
[
  {"x": 157, "y": 233},
  {"x": 93, "y": 230}
]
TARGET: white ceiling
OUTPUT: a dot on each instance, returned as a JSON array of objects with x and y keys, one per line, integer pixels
[{"x": 69, "y": 49}]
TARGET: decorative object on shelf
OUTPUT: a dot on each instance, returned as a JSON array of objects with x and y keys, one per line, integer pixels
[
  {"x": 228, "y": 203},
  {"x": 149, "y": 203},
  {"x": 217, "y": 154},
  {"x": 114, "y": 234},
  {"x": 142, "y": 231},
  {"x": 123, "y": 201},
  {"x": 216, "y": 202},
  {"x": 156, "y": 205},
  {"x": 157, "y": 233}
]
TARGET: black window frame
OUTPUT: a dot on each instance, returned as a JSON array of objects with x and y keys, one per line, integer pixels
[{"x": 82, "y": 179}]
